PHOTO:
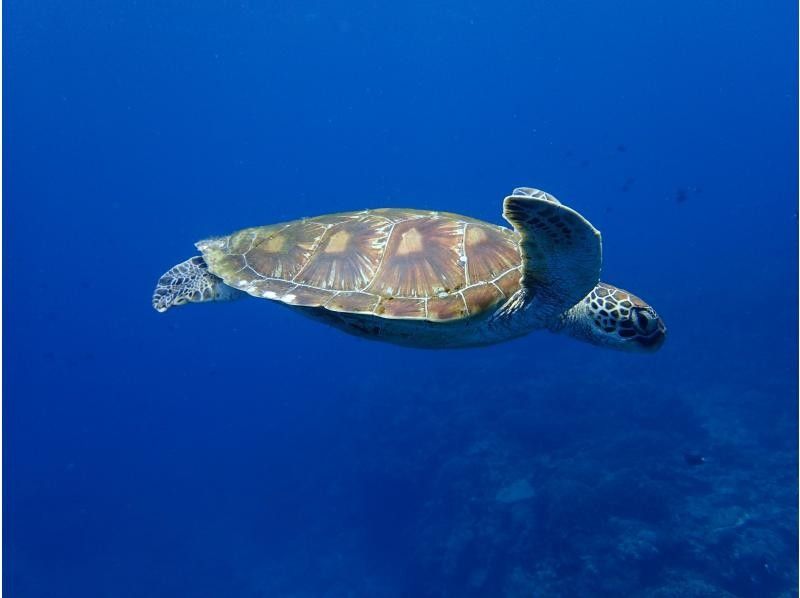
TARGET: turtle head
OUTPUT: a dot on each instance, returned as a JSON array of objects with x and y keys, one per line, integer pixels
[{"x": 615, "y": 318}]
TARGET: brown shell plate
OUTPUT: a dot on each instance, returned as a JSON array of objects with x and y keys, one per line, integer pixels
[{"x": 392, "y": 263}]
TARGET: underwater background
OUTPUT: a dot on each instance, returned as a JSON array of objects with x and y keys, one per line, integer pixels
[{"x": 242, "y": 450}]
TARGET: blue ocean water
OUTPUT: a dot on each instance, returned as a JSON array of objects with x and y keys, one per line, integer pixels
[{"x": 242, "y": 450}]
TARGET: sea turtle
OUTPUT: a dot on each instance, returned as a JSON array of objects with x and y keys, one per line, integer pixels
[{"x": 427, "y": 279}]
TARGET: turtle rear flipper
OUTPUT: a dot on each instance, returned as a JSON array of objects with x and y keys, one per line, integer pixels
[
  {"x": 561, "y": 254},
  {"x": 190, "y": 281}
]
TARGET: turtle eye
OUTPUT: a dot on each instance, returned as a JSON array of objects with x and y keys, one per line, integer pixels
[{"x": 645, "y": 321}]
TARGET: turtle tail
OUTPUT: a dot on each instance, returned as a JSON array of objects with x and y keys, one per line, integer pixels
[{"x": 190, "y": 282}]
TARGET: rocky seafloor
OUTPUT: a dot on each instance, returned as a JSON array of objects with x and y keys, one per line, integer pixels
[{"x": 544, "y": 488}]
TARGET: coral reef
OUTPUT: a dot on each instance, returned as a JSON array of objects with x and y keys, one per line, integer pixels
[{"x": 546, "y": 491}]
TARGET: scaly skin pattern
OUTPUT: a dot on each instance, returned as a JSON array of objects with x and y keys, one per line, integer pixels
[
  {"x": 190, "y": 282},
  {"x": 613, "y": 317}
]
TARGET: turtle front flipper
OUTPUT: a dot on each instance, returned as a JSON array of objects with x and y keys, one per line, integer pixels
[
  {"x": 561, "y": 254},
  {"x": 190, "y": 281}
]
